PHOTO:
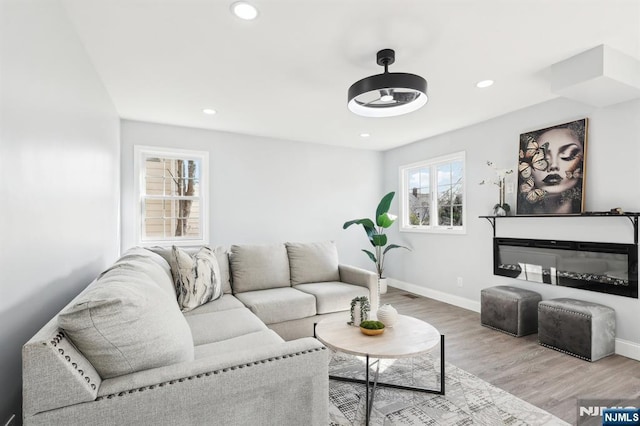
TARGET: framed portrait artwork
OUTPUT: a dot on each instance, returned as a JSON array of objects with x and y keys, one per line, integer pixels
[{"x": 551, "y": 169}]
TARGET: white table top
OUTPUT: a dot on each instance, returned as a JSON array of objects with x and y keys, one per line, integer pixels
[{"x": 408, "y": 337}]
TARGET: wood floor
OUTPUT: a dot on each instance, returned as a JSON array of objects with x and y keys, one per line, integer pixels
[{"x": 543, "y": 377}]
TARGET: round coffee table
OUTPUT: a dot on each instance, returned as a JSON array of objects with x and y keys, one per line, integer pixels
[{"x": 408, "y": 337}]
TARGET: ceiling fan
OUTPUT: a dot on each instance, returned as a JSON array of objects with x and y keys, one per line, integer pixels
[{"x": 387, "y": 94}]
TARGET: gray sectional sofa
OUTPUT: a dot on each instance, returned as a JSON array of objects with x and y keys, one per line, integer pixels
[{"x": 123, "y": 353}]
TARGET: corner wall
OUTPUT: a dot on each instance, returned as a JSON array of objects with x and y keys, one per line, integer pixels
[
  {"x": 59, "y": 177},
  {"x": 613, "y": 180},
  {"x": 266, "y": 190}
]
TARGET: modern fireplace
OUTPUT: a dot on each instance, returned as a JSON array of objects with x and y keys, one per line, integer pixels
[{"x": 604, "y": 267}]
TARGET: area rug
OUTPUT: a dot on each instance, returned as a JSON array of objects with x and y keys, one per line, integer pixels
[{"x": 468, "y": 399}]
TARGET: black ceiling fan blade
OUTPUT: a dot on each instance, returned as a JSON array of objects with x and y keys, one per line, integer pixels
[{"x": 405, "y": 97}]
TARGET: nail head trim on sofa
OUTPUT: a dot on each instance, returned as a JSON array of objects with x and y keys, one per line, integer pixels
[
  {"x": 209, "y": 373},
  {"x": 54, "y": 342}
]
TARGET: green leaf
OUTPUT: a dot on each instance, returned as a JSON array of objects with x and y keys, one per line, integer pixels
[
  {"x": 384, "y": 205},
  {"x": 367, "y": 224},
  {"x": 392, "y": 246},
  {"x": 379, "y": 240},
  {"x": 371, "y": 256},
  {"x": 386, "y": 220}
]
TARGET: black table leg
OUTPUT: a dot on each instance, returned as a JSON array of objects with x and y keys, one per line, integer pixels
[
  {"x": 367, "y": 394},
  {"x": 368, "y": 382}
]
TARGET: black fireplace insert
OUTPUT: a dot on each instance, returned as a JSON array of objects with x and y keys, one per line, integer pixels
[{"x": 604, "y": 267}]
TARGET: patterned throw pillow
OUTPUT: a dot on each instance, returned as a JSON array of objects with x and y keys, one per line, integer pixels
[{"x": 197, "y": 277}]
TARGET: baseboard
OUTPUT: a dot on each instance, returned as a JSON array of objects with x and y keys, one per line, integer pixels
[
  {"x": 623, "y": 347},
  {"x": 628, "y": 349},
  {"x": 461, "y": 302}
]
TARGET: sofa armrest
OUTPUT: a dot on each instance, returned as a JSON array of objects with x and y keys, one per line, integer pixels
[
  {"x": 54, "y": 373},
  {"x": 277, "y": 382},
  {"x": 362, "y": 277}
]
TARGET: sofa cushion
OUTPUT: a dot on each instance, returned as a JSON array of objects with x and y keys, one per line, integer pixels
[
  {"x": 223, "y": 325},
  {"x": 139, "y": 260},
  {"x": 126, "y": 323},
  {"x": 224, "y": 303},
  {"x": 223, "y": 262},
  {"x": 313, "y": 262},
  {"x": 221, "y": 255},
  {"x": 333, "y": 296},
  {"x": 279, "y": 304},
  {"x": 246, "y": 341},
  {"x": 197, "y": 277},
  {"x": 259, "y": 267}
]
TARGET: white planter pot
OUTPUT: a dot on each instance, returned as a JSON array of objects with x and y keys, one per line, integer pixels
[
  {"x": 387, "y": 314},
  {"x": 382, "y": 285}
]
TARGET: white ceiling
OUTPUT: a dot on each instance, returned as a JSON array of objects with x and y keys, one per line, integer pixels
[{"x": 286, "y": 74}]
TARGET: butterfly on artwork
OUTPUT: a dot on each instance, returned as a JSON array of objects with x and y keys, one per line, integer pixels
[
  {"x": 576, "y": 174},
  {"x": 536, "y": 195}
]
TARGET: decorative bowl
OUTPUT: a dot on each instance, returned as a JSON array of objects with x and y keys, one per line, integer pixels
[
  {"x": 372, "y": 328},
  {"x": 370, "y": 332}
]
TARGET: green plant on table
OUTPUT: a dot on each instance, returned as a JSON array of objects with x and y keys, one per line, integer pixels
[
  {"x": 372, "y": 325},
  {"x": 375, "y": 232}
]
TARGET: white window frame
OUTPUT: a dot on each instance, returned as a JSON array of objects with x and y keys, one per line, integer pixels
[
  {"x": 140, "y": 154},
  {"x": 432, "y": 165}
]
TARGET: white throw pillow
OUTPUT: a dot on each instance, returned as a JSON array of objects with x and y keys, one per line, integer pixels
[{"x": 197, "y": 277}]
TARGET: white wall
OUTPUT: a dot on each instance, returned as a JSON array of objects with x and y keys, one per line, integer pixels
[
  {"x": 613, "y": 180},
  {"x": 59, "y": 177},
  {"x": 267, "y": 190}
]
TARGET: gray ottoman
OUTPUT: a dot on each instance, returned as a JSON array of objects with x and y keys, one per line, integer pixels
[
  {"x": 511, "y": 310},
  {"x": 583, "y": 329}
]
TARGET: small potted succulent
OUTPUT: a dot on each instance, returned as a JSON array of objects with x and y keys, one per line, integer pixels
[{"x": 371, "y": 328}]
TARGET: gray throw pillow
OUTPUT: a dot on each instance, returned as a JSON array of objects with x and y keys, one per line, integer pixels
[
  {"x": 196, "y": 278},
  {"x": 126, "y": 323},
  {"x": 259, "y": 267},
  {"x": 313, "y": 262}
]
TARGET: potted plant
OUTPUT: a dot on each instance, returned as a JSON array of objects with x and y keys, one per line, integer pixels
[
  {"x": 501, "y": 208},
  {"x": 359, "y": 310},
  {"x": 372, "y": 328},
  {"x": 376, "y": 235}
]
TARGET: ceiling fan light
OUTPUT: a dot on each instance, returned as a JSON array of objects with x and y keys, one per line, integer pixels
[
  {"x": 363, "y": 93},
  {"x": 387, "y": 94}
]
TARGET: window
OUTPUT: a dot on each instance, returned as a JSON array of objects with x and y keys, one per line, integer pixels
[
  {"x": 171, "y": 195},
  {"x": 433, "y": 195}
]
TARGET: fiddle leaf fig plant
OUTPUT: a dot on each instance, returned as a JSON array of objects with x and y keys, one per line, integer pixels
[{"x": 375, "y": 232}]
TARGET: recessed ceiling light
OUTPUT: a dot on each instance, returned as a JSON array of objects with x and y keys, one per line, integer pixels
[
  {"x": 484, "y": 83},
  {"x": 244, "y": 10},
  {"x": 364, "y": 135},
  {"x": 209, "y": 111}
]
